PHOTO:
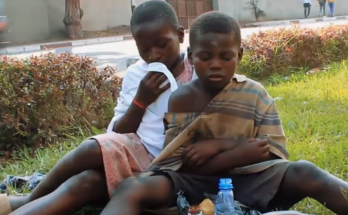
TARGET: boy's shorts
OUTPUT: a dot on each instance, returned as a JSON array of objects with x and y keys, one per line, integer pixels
[{"x": 255, "y": 190}]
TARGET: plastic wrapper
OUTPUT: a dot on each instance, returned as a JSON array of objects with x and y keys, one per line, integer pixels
[
  {"x": 244, "y": 210},
  {"x": 240, "y": 209},
  {"x": 21, "y": 183},
  {"x": 182, "y": 204}
]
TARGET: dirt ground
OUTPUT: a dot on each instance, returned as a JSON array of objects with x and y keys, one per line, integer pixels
[{"x": 117, "y": 31}]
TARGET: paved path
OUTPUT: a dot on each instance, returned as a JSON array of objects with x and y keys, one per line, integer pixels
[{"x": 116, "y": 54}]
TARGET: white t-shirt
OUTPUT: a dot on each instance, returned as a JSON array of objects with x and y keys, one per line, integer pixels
[{"x": 151, "y": 129}]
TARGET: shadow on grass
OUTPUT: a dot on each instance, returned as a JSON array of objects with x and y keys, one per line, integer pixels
[{"x": 300, "y": 75}]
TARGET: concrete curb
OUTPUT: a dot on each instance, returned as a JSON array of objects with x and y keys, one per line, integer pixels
[
  {"x": 74, "y": 43},
  {"x": 295, "y": 22},
  {"x": 55, "y": 45}
]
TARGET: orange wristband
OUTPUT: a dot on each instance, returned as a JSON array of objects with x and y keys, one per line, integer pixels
[{"x": 138, "y": 104}]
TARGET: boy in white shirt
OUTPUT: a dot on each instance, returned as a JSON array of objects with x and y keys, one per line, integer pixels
[{"x": 89, "y": 173}]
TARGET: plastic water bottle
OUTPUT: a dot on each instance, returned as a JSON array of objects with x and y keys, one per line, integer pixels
[{"x": 224, "y": 203}]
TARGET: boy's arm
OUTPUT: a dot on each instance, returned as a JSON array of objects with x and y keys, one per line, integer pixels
[
  {"x": 235, "y": 154},
  {"x": 130, "y": 121},
  {"x": 180, "y": 100},
  {"x": 127, "y": 115},
  {"x": 268, "y": 128},
  {"x": 135, "y": 97}
]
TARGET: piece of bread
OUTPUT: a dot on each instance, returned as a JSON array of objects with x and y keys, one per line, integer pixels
[{"x": 207, "y": 207}]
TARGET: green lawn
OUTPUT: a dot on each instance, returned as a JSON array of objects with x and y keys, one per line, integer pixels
[{"x": 314, "y": 112}]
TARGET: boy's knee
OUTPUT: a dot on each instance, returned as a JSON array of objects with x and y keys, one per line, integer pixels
[
  {"x": 305, "y": 171},
  {"x": 131, "y": 184},
  {"x": 90, "y": 147},
  {"x": 87, "y": 181},
  {"x": 91, "y": 178},
  {"x": 131, "y": 188},
  {"x": 141, "y": 188},
  {"x": 302, "y": 168},
  {"x": 305, "y": 177}
]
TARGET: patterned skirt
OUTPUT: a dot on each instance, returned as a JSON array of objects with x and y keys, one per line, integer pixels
[{"x": 124, "y": 156}]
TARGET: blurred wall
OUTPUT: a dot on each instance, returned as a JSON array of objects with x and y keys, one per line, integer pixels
[
  {"x": 35, "y": 20},
  {"x": 274, "y": 9}
]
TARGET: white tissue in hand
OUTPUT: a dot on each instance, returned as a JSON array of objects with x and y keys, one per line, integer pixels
[
  {"x": 160, "y": 67},
  {"x": 164, "y": 83}
]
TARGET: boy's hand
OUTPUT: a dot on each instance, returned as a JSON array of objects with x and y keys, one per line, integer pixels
[
  {"x": 198, "y": 153},
  {"x": 149, "y": 88},
  {"x": 252, "y": 151},
  {"x": 248, "y": 150}
]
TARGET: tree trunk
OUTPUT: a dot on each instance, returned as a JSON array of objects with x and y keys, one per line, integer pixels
[
  {"x": 254, "y": 8},
  {"x": 72, "y": 19}
]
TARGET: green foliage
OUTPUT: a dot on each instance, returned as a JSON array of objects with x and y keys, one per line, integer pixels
[
  {"x": 44, "y": 98},
  {"x": 285, "y": 51},
  {"x": 313, "y": 110}
]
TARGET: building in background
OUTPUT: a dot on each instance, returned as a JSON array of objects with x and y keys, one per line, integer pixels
[{"x": 35, "y": 20}]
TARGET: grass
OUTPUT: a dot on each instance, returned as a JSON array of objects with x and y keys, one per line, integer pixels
[{"x": 314, "y": 112}]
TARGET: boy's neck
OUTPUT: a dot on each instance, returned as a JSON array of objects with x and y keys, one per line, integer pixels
[
  {"x": 212, "y": 92},
  {"x": 178, "y": 66}
]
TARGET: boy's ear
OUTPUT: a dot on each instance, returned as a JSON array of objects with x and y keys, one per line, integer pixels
[
  {"x": 181, "y": 34},
  {"x": 240, "y": 54},
  {"x": 165, "y": 122},
  {"x": 189, "y": 55}
]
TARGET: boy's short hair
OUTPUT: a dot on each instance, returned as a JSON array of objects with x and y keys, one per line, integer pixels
[
  {"x": 152, "y": 11},
  {"x": 214, "y": 22}
]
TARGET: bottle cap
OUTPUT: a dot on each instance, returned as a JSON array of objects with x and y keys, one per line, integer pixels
[{"x": 225, "y": 183}]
